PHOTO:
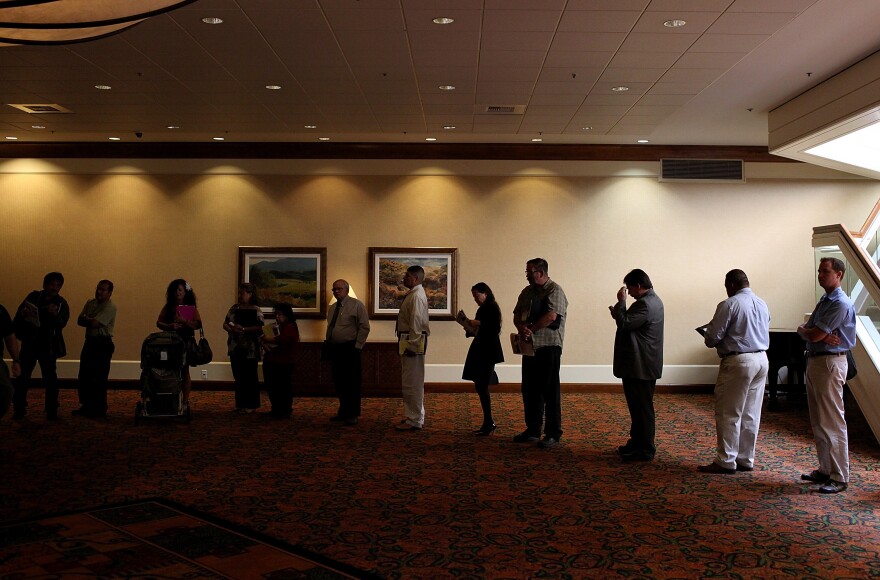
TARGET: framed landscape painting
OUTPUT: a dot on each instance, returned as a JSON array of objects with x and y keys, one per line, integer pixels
[
  {"x": 387, "y": 267},
  {"x": 297, "y": 276}
]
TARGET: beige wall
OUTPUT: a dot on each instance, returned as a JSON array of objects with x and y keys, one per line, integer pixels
[{"x": 143, "y": 223}]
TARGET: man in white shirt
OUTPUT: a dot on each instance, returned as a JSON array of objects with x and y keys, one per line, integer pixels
[{"x": 412, "y": 333}]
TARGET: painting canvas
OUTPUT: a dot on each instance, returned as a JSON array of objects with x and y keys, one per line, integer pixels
[
  {"x": 293, "y": 275},
  {"x": 387, "y": 267}
]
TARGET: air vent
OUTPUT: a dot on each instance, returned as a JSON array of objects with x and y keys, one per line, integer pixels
[
  {"x": 717, "y": 170},
  {"x": 500, "y": 109},
  {"x": 41, "y": 109}
]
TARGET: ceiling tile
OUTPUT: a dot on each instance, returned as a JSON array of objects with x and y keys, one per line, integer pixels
[
  {"x": 657, "y": 42},
  {"x": 521, "y": 20},
  {"x": 587, "y": 42},
  {"x": 753, "y": 22},
  {"x": 561, "y": 59},
  {"x": 598, "y": 20},
  {"x": 741, "y": 43}
]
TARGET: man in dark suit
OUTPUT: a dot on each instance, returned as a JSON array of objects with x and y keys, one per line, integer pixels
[{"x": 638, "y": 360}]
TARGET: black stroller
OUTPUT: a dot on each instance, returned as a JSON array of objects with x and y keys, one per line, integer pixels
[{"x": 163, "y": 357}]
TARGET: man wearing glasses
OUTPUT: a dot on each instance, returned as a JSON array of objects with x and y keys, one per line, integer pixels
[
  {"x": 539, "y": 318},
  {"x": 348, "y": 326}
]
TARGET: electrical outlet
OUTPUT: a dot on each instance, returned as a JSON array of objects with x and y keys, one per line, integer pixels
[{"x": 204, "y": 374}]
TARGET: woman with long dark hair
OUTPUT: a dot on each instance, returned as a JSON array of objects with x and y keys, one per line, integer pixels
[
  {"x": 181, "y": 315},
  {"x": 244, "y": 325},
  {"x": 484, "y": 352},
  {"x": 278, "y": 362}
]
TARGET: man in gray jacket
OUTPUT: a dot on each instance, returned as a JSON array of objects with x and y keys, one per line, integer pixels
[{"x": 638, "y": 360}]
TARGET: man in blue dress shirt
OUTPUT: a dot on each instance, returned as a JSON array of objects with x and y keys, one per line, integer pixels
[
  {"x": 830, "y": 333},
  {"x": 740, "y": 332}
]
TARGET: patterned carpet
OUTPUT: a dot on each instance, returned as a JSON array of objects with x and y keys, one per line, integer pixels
[
  {"x": 443, "y": 504},
  {"x": 152, "y": 539}
]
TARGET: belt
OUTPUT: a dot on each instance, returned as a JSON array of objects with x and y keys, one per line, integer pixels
[
  {"x": 739, "y": 353},
  {"x": 812, "y": 354}
]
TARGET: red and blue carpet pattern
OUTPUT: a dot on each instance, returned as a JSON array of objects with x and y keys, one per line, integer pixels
[{"x": 442, "y": 503}]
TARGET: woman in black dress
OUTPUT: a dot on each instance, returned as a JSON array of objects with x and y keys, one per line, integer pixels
[{"x": 484, "y": 352}]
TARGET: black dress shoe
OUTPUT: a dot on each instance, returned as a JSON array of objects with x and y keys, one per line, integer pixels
[
  {"x": 636, "y": 456},
  {"x": 833, "y": 487},
  {"x": 744, "y": 468},
  {"x": 80, "y": 411},
  {"x": 816, "y": 476},
  {"x": 351, "y": 421},
  {"x": 625, "y": 450},
  {"x": 547, "y": 442},
  {"x": 525, "y": 437},
  {"x": 485, "y": 430}
]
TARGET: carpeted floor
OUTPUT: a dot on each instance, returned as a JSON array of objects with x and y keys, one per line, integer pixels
[
  {"x": 443, "y": 504},
  {"x": 153, "y": 539}
]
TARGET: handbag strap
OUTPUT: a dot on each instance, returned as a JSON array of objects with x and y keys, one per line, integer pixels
[{"x": 201, "y": 333}]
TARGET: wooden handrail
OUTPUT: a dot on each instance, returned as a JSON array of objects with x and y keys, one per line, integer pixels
[{"x": 871, "y": 217}]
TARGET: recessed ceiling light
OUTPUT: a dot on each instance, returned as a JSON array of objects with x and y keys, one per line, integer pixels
[
  {"x": 323, "y": 138},
  {"x": 674, "y": 23},
  {"x": 443, "y": 20},
  {"x": 310, "y": 126},
  {"x": 212, "y": 20},
  {"x": 38, "y": 126},
  {"x": 103, "y": 87},
  {"x": 172, "y": 127},
  {"x": 114, "y": 138},
  {"x": 537, "y": 140},
  {"x": 586, "y": 128},
  {"x": 219, "y": 138},
  {"x": 620, "y": 89},
  {"x": 12, "y": 138},
  {"x": 430, "y": 138},
  {"x": 273, "y": 87},
  {"x": 449, "y": 127},
  {"x": 447, "y": 87},
  {"x": 642, "y": 141}
]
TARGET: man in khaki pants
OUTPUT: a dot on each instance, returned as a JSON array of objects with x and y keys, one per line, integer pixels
[
  {"x": 830, "y": 333},
  {"x": 412, "y": 333}
]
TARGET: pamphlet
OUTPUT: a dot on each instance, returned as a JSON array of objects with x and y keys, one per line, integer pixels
[
  {"x": 520, "y": 346},
  {"x": 404, "y": 345},
  {"x": 186, "y": 312},
  {"x": 464, "y": 321}
]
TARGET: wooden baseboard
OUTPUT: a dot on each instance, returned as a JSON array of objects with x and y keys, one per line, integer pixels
[{"x": 311, "y": 391}]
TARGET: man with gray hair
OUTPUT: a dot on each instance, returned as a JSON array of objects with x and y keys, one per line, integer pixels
[
  {"x": 740, "y": 332},
  {"x": 412, "y": 334}
]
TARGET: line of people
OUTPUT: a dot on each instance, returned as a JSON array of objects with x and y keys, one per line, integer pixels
[{"x": 739, "y": 331}]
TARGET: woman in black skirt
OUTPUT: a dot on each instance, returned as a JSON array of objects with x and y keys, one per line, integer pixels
[{"x": 484, "y": 352}]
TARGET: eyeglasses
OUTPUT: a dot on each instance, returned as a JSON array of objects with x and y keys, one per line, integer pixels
[{"x": 338, "y": 289}]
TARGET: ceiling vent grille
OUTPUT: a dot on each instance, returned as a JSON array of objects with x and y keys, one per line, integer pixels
[
  {"x": 717, "y": 170},
  {"x": 41, "y": 109},
  {"x": 500, "y": 109}
]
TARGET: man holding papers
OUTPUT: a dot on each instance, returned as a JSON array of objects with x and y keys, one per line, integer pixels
[{"x": 740, "y": 332}]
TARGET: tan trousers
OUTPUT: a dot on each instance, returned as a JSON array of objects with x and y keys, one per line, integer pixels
[
  {"x": 826, "y": 376},
  {"x": 739, "y": 394},
  {"x": 413, "y": 389}
]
